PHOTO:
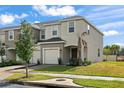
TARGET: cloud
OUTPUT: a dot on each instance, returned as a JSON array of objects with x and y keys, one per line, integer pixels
[
  {"x": 23, "y": 15},
  {"x": 111, "y": 33},
  {"x": 10, "y": 18},
  {"x": 101, "y": 8},
  {"x": 106, "y": 13},
  {"x": 36, "y": 21},
  {"x": 112, "y": 25},
  {"x": 55, "y": 10},
  {"x": 6, "y": 19}
]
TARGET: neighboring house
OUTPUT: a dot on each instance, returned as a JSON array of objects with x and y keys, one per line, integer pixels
[
  {"x": 2, "y": 37},
  {"x": 59, "y": 39},
  {"x": 2, "y": 41}
]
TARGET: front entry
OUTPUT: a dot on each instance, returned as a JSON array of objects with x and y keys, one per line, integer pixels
[{"x": 74, "y": 53}]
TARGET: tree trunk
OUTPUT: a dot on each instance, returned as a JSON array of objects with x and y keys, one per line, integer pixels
[{"x": 26, "y": 69}]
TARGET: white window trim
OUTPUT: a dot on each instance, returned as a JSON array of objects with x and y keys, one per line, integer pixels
[
  {"x": 43, "y": 52},
  {"x": 68, "y": 26},
  {"x": 52, "y": 29},
  {"x": 9, "y": 35},
  {"x": 41, "y": 37}
]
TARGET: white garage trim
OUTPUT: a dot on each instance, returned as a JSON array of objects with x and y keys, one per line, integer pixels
[{"x": 48, "y": 49}]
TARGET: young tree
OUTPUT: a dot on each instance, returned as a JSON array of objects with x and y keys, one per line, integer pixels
[{"x": 24, "y": 46}]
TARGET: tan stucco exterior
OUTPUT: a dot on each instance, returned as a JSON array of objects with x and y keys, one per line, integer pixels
[{"x": 94, "y": 39}]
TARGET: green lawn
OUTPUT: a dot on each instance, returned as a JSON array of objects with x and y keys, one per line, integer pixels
[
  {"x": 99, "y": 83},
  {"x": 110, "y": 69},
  {"x": 20, "y": 76}
]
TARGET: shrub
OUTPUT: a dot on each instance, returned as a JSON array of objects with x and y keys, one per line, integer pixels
[
  {"x": 86, "y": 62},
  {"x": 60, "y": 61},
  {"x": 75, "y": 62},
  {"x": 10, "y": 63},
  {"x": 38, "y": 62}
]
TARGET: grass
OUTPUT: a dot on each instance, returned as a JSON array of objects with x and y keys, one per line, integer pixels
[
  {"x": 20, "y": 76},
  {"x": 109, "y": 69},
  {"x": 99, "y": 83}
]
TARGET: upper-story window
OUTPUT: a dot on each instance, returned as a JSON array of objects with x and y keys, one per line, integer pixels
[
  {"x": 55, "y": 30},
  {"x": 88, "y": 29},
  {"x": 71, "y": 26},
  {"x": 42, "y": 34},
  {"x": 10, "y": 35}
]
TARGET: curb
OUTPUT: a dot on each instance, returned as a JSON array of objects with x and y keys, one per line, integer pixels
[
  {"x": 22, "y": 67},
  {"x": 48, "y": 85}
]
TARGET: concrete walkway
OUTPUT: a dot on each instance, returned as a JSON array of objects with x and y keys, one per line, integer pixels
[
  {"x": 79, "y": 76},
  {"x": 55, "y": 82}
]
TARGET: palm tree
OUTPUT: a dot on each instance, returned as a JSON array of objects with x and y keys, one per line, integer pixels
[{"x": 115, "y": 49}]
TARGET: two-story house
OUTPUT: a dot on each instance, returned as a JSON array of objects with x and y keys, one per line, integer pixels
[{"x": 59, "y": 39}]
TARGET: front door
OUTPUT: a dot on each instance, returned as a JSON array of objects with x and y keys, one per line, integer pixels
[{"x": 74, "y": 53}]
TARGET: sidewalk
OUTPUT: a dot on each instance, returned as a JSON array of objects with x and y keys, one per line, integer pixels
[
  {"x": 79, "y": 76},
  {"x": 4, "y": 75},
  {"x": 55, "y": 82}
]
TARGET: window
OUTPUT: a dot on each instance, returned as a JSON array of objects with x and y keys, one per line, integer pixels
[
  {"x": 71, "y": 26},
  {"x": 55, "y": 30},
  {"x": 98, "y": 52},
  {"x": 88, "y": 29},
  {"x": 42, "y": 34},
  {"x": 54, "y": 33},
  {"x": 11, "y": 35}
]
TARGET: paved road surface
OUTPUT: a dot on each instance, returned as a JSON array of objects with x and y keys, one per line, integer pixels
[{"x": 9, "y": 85}]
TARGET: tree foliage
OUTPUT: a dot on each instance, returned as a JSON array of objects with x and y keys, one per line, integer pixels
[
  {"x": 2, "y": 52},
  {"x": 113, "y": 49},
  {"x": 24, "y": 46}
]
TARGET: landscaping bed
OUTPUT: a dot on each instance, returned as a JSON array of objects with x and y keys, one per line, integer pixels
[
  {"x": 108, "y": 69},
  {"x": 10, "y": 63}
]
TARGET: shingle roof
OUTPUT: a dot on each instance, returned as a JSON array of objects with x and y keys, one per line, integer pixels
[
  {"x": 9, "y": 27},
  {"x": 54, "y": 21},
  {"x": 51, "y": 39}
]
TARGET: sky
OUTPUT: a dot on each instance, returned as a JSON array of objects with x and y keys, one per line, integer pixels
[{"x": 108, "y": 19}]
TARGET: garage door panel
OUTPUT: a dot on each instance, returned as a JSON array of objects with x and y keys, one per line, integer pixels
[{"x": 51, "y": 56}]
